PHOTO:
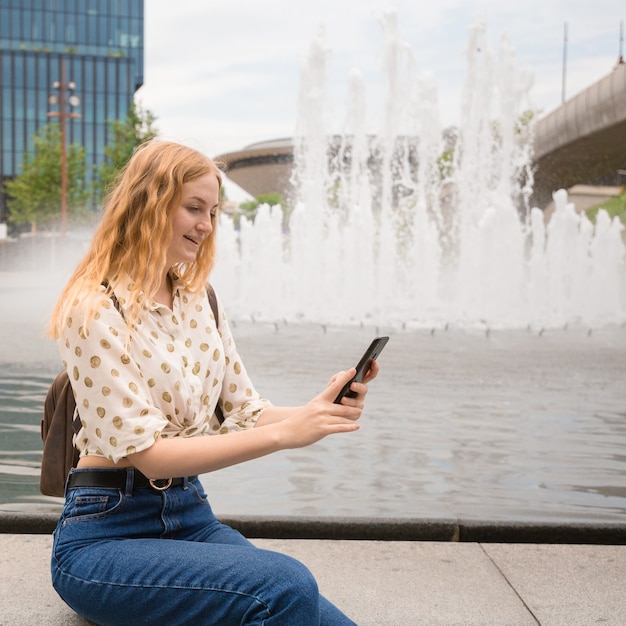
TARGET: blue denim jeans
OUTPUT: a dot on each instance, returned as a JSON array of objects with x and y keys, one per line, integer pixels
[{"x": 141, "y": 556}]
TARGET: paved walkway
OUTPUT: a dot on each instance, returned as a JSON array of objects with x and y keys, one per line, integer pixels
[{"x": 392, "y": 583}]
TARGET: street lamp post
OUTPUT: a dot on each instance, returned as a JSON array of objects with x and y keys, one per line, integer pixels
[{"x": 63, "y": 87}]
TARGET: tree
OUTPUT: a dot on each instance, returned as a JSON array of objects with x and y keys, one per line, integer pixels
[
  {"x": 249, "y": 207},
  {"x": 34, "y": 196},
  {"x": 137, "y": 128}
]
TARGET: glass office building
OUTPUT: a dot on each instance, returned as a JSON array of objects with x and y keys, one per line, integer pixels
[{"x": 101, "y": 45}]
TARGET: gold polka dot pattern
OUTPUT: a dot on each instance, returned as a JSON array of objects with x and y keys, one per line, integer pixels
[{"x": 162, "y": 382}]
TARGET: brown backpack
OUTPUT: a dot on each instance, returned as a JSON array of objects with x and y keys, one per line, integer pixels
[{"x": 60, "y": 422}]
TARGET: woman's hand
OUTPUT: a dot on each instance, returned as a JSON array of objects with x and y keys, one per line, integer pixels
[
  {"x": 359, "y": 388},
  {"x": 322, "y": 417}
]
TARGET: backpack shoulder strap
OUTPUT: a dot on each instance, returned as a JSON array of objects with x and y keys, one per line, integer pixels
[
  {"x": 210, "y": 292},
  {"x": 116, "y": 302},
  {"x": 213, "y": 302}
]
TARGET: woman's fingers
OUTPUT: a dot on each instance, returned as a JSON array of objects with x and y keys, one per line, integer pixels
[{"x": 372, "y": 372}]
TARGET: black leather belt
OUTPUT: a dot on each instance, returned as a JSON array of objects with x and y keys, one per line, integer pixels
[{"x": 116, "y": 479}]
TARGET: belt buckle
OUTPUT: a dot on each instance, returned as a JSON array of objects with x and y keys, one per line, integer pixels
[{"x": 167, "y": 485}]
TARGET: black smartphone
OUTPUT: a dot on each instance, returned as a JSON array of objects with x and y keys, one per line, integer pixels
[{"x": 371, "y": 354}]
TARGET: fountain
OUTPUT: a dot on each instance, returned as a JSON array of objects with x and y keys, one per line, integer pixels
[
  {"x": 405, "y": 227},
  {"x": 465, "y": 424}
]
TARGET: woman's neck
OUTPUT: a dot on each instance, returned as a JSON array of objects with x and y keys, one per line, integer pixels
[{"x": 164, "y": 293}]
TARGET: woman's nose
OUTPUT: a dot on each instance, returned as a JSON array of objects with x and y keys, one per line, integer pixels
[{"x": 204, "y": 225}]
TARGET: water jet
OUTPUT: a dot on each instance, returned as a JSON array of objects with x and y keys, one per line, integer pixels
[{"x": 393, "y": 226}]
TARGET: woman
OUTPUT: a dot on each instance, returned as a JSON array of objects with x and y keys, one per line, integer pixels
[{"x": 137, "y": 542}]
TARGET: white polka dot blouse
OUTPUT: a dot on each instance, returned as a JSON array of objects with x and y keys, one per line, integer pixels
[{"x": 163, "y": 382}]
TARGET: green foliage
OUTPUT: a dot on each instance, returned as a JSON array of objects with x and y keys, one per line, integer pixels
[
  {"x": 249, "y": 207},
  {"x": 263, "y": 198},
  {"x": 270, "y": 198},
  {"x": 615, "y": 207},
  {"x": 137, "y": 128},
  {"x": 445, "y": 163},
  {"x": 525, "y": 119},
  {"x": 34, "y": 196}
]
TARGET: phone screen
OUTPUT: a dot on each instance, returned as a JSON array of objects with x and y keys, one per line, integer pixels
[{"x": 371, "y": 354}]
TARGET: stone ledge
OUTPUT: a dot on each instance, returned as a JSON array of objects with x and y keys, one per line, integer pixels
[
  {"x": 381, "y": 529},
  {"x": 602, "y": 533}
]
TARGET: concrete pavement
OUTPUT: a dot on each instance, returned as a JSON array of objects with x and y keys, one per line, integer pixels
[{"x": 391, "y": 583}]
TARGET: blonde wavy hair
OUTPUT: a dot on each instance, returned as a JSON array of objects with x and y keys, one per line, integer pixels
[{"x": 135, "y": 231}]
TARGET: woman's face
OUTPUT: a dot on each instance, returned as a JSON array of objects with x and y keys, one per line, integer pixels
[{"x": 193, "y": 219}]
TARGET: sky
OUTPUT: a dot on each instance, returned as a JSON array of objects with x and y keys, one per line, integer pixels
[{"x": 222, "y": 75}]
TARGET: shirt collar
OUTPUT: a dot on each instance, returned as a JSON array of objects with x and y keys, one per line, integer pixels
[{"x": 126, "y": 291}]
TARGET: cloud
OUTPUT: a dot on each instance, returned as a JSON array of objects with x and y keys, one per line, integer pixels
[{"x": 228, "y": 74}]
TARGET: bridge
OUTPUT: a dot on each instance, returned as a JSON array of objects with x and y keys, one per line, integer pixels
[{"x": 582, "y": 141}]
